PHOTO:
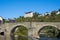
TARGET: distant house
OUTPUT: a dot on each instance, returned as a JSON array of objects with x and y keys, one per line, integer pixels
[
  {"x": 11, "y": 20},
  {"x": 1, "y": 19},
  {"x": 39, "y": 15},
  {"x": 46, "y": 13},
  {"x": 28, "y": 14},
  {"x": 58, "y": 12}
]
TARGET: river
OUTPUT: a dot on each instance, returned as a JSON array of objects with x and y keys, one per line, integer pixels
[
  {"x": 30, "y": 38},
  {"x": 49, "y": 39}
]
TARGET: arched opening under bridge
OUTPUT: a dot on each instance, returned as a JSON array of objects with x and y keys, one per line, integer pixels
[
  {"x": 19, "y": 33},
  {"x": 48, "y": 32}
]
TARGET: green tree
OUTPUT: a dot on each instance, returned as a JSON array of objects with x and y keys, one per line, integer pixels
[
  {"x": 20, "y": 19},
  {"x": 59, "y": 10},
  {"x": 22, "y": 33},
  {"x": 35, "y": 15},
  {"x": 53, "y": 15},
  {"x": 28, "y": 19},
  {"x": 4, "y": 20}
]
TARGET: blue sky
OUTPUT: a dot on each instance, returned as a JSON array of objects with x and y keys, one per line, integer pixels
[{"x": 16, "y": 8}]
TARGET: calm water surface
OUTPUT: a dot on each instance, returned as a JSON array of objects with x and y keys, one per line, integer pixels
[
  {"x": 30, "y": 38},
  {"x": 49, "y": 39}
]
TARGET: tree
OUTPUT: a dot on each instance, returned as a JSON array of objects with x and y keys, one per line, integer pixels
[
  {"x": 20, "y": 19},
  {"x": 59, "y": 10},
  {"x": 4, "y": 20},
  {"x": 28, "y": 19},
  {"x": 35, "y": 15},
  {"x": 53, "y": 13}
]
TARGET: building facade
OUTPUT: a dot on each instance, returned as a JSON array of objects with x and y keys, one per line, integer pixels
[
  {"x": 28, "y": 14},
  {"x": 1, "y": 19},
  {"x": 58, "y": 12}
]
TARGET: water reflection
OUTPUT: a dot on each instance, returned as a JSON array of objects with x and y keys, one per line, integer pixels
[
  {"x": 46, "y": 38},
  {"x": 13, "y": 37},
  {"x": 49, "y": 33}
]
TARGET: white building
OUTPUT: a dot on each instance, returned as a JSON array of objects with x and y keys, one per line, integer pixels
[
  {"x": 47, "y": 13},
  {"x": 58, "y": 12},
  {"x": 1, "y": 19},
  {"x": 39, "y": 15},
  {"x": 28, "y": 14}
]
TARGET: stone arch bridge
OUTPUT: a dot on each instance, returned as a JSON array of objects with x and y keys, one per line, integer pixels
[{"x": 33, "y": 27}]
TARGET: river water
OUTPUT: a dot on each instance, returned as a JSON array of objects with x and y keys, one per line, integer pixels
[
  {"x": 30, "y": 38},
  {"x": 43, "y": 38},
  {"x": 49, "y": 39}
]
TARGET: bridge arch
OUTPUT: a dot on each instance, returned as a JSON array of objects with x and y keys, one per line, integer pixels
[
  {"x": 17, "y": 28},
  {"x": 51, "y": 28},
  {"x": 42, "y": 27}
]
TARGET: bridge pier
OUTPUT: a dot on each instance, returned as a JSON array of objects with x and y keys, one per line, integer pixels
[
  {"x": 7, "y": 35},
  {"x": 35, "y": 35}
]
